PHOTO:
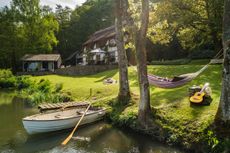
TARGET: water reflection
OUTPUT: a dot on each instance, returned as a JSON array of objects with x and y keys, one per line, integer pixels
[{"x": 102, "y": 137}]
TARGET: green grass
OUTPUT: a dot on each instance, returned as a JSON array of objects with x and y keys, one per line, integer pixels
[
  {"x": 79, "y": 86},
  {"x": 173, "y": 110}
]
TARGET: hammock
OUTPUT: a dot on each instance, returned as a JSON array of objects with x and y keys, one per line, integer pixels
[
  {"x": 176, "y": 81},
  {"x": 180, "y": 80}
]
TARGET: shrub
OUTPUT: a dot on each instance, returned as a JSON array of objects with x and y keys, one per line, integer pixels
[
  {"x": 7, "y": 79},
  {"x": 24, "y": 82},
  {"x": 202, "y": 54},
  {"x": 8, "y": 83},
  {"x": 35, "y": 92},
  {"x": 58, "y": 87},
  {"x": 39, "y": 97},
  {"x": 44, "y": 86},
  {"x": 6, "y": 73}
]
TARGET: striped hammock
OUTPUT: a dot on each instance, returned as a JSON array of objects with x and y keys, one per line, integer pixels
[
  {"x": 181, "y": 80},
  {"x": 176, "y": 81}
]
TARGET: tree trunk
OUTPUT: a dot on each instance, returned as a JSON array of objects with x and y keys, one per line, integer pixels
[
  {"x": 140, "y": 45},
  {"x": 224, "y": 107},
  {"x": 124, "y": 93}
]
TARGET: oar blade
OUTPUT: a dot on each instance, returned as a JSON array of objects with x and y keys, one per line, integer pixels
[
  {"x": 66, "y": 140},
  {"x": 75, "y": 128}
]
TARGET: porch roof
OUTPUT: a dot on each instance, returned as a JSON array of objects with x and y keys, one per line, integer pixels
[
  {"x": 41, "y": 57},
  {"x": 98, "y": 50}
]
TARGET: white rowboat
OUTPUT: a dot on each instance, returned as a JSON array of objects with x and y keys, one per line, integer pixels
[{"x": 59, "y": 120}]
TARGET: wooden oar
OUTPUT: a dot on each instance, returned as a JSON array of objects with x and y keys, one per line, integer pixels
[{"x": 75, "y": 128}]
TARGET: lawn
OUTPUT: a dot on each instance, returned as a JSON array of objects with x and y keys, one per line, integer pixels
[
  {"x": 79, "y": 86},
  {"x": 173, "y": 110}
]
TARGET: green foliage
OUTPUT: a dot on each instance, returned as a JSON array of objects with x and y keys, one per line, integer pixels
[
  {"x": 5, "y": 73},
  {"x": 35, "y": 92},
  {"x": 44, "y": 91},
  {"x": 196, "y": 24},
  {"x": 7, "y": 83},
  {"x": 23, "y": 82},
  {"x": 58, "y": 87},
  {"x": 214, "y": 144},
  {"x": 7, "y": 80},
  {"x": 202, "y": 54},
  {"x": 78, "y": 24},
  {"x": 211, "y": 139},
  {"x": 25, "y": 27},
  {"x": 123, "y": 115},
  {"x": 44, "y": 86}
]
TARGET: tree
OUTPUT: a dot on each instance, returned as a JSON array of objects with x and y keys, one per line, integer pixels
[
  {"x": 138, "y": 26},
  {"x": 195, "y": 23},
  {"x": 9, "y": 38},
  {"x": 62, "y": 15},
  {"x": 39, "y": 27},
  {"x": 124, "y": 93},
  {"x": 26, "y": 28},
  {"x": 84, "y": 20},
  {"x": 140, "y": 45},
  {"x": 224, "y": 106}
]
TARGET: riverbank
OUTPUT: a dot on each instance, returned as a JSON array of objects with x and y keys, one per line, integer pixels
[
  {"x": 34, "y": 91},
  {"x": 100, "y": 136},
  {"x": 177, "y": 122}
]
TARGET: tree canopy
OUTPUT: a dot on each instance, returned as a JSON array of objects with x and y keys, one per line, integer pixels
[
  {"x": 26, "y": 27},
  {"x": 78, "y": 24}
]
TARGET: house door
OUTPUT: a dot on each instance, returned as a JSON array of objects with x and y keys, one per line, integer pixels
[
  {"x": 45, "y": 66},
  {"x": 98, "y": 59},
  {"x": 25, "y": 67}
]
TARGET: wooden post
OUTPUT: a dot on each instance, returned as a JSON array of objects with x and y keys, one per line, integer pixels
[{"x": 90, "y": 92}]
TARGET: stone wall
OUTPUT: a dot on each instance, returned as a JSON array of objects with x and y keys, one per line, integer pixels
[
  {"x": 84, "y": 70},
  {"x": 39, "y": 73}
]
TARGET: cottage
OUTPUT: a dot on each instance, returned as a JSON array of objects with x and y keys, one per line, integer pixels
[
  {"x": 41, "y": 62},
  {"x": 101, "y": 47}
]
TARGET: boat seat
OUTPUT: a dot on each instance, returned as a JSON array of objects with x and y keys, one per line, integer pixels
[
  {"x": 57, "y": 116},
  {"x": 80, "y": 112}
]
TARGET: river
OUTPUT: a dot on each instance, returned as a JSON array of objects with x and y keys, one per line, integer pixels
[{"x": 100, "y": 137}]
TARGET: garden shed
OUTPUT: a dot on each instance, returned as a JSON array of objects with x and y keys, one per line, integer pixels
[{"x": 41, "y": 62}]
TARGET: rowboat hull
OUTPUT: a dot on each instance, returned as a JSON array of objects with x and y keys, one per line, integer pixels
[{"x": 36, "y": 124}]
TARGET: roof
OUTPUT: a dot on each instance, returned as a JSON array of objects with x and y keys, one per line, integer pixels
[
  {"x": 101, "y": 34},
  {"x": 41, "y": 57}
]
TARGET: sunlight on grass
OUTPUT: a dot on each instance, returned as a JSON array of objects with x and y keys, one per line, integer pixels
[{"x": 79, "y": 86}]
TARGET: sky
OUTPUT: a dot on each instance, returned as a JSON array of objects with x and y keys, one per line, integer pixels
[{"x": 51, "y": 3}]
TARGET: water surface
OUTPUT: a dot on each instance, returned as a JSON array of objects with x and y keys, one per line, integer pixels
[{"x": 100, "y": 137}]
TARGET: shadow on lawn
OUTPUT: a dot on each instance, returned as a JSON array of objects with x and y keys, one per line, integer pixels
[
  {"x": 105, "y": 75},
  {"x": 159, "y": 96}
]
